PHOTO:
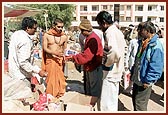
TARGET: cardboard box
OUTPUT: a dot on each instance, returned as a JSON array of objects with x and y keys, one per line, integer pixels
[{"x": 75, "y": 101}]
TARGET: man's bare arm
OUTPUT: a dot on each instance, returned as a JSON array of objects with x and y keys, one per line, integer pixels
[{"x": 65, "y": 41}]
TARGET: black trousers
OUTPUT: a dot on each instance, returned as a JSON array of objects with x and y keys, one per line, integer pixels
[{"x": 140, "y": 97}]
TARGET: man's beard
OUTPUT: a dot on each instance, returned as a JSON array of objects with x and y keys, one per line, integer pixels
[{"x": 59, "y": 31}]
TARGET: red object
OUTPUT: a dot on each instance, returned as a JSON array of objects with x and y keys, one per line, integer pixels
[
  {"x": 41, "y": 104},
  {"x": 68, "y": 58},
  {"x": 6, "y": 66},
  {"x": 91, "y": 57},
  {"x": 34, "y": 80},
  {"x": 127, "y": 76},
  {"x": 43, "y": 98},
  {"x": 38, "y": 107},
  {"x": 14, "y": 12}
]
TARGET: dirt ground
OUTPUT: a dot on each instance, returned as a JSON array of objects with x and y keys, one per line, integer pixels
[{"x": 75, "y": 83}]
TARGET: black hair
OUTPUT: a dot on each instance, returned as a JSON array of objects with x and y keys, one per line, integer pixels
[
  {"x": 131, "y": 25},
  {"x": 57, "y": 20},
  {"x": 150, "y": 27},
  {"x": 159, "y": 32},
  {"x": 103, "y": 17},
  {"x": 139, "y": 28},
  {"x": 28, "y": 22}
]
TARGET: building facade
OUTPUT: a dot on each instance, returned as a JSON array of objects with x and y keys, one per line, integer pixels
[{"x": 129, "y": 12}]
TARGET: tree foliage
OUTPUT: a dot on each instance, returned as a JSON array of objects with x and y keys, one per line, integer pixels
[{"x": 63, "y": 11}]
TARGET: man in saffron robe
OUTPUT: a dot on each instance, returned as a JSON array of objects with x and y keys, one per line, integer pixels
[{"x": 54, "y": 44}]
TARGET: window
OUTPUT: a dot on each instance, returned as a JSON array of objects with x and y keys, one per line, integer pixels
[
  {"x": 74, "y": 18},
  {"x": 121, "y": 18},
  {"x": 152, "y": 7},
  {"x": 152, "y": 18},
  {"x": 139, "y": 8},
  {"x": 161, "y": 19},
  {"x": 129, "y": 7},
  {"x": 121, "y": 7},
  {"x": 149, "y": 19},
  {"x": 138, "y": 18},
  {"x": 104, "y": 7},
  {"x": 83, "y": 8},
  {"x": 83, "y": 17},
  {"x": 162, "y": 7},
  {"x": 95, "y": 8},
  {"x": 111, "y": 7},
  {"x": 128, "y": 19},
  {"x": 93, "y": 18},
  {"x": 149, "y": 8}
]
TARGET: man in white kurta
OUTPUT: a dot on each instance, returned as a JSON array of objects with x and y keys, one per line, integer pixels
[
  {"x": 20, "y": 53},
  {"x": 112, "y": 78},
  {"x": 114, "y": 66}
]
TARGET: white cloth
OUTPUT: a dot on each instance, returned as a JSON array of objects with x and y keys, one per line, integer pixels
[
  {"x": 111, "y": 79},
  {"x": 16, "y": 89},
  {"x": 116, "y": 40},
  {"x": 100, "y": 34},
  {"x": 131, "y": 53},
  {"x": 20, "y": 56},
  {"x": 109, "y": 97}
]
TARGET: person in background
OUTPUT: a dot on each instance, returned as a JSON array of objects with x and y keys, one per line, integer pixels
[
  {"x": 41, "y": 33},
  {"x": 6, "y": 44},
  {"x": 20, "y": 53},
  {"x": 130, "y": 57},
  {"x": 91, "y": 59},
  {"x": 113, "y": 64},
  {"x": 128, "y": 33},
  {"x": 148, "y": 66},
  {"x": 10, "y": 33},
  {"x": 54, "y": 45}
]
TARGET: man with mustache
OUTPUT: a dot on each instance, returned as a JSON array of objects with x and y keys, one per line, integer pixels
[{"x": 54, "y": 44}]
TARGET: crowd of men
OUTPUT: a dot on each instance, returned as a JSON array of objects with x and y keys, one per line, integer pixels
[{"x": 102, "y": 58}]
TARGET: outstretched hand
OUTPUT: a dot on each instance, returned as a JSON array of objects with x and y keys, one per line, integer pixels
[
  {"x": 43, "y": 73},
  {"x": 69, "y": 58}
]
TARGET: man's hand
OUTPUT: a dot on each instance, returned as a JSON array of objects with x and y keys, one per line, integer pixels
[
  {"x": 69, "y": 58},
  {"x": 126, "y": 68},
  {"x": 145, "y": 85},
  {"x": 43, "y": 73},
  {"x": 58, "y": 53}
]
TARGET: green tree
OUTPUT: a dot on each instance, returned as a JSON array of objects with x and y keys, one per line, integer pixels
[{"x": 63, "y": 11}]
